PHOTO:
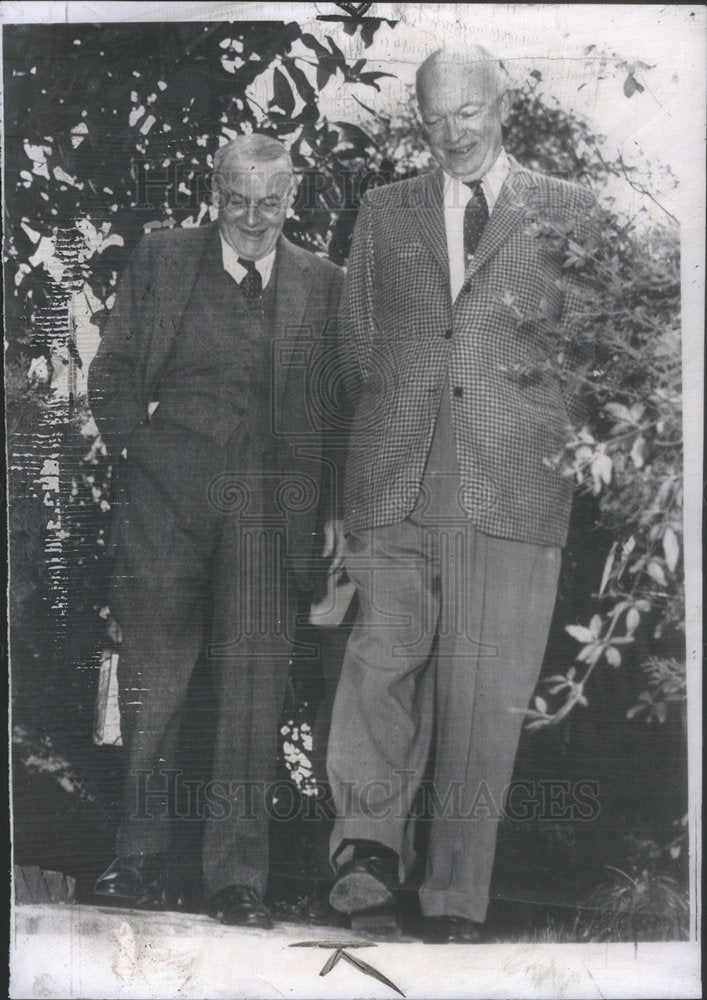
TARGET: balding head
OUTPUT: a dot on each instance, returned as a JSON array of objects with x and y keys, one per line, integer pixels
[
  {"x": 253, "y": 186},
  {"x": 463, "y": 98},
  {"x": 475, "y": 59},
  {"x": 250, "y": 151}
]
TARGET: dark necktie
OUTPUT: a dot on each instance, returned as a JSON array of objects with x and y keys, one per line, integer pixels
[
  {"x": 476, "y": 216},
  {"x": 252, "y": 283}
]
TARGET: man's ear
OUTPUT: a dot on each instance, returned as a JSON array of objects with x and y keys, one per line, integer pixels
[{"x": 505, "y": 106}]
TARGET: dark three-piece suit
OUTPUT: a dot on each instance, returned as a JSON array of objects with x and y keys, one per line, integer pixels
[{"x": 218, "y": 493}]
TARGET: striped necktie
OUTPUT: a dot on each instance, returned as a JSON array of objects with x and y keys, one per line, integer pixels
[
  {"x": 252, "y": 283},
  {"x": 476, "y": 216}
]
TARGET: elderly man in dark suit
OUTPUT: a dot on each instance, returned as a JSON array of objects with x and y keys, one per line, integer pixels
[
  {"x": 454, "y": 515},
  {"x": 201, "y": 391}
]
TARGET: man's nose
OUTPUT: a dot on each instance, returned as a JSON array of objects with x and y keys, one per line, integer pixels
[
  {"x": 452, "y": 130},
  {"x": 251, "y": 213}
]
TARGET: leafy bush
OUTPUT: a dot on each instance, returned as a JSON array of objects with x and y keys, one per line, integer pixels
[{"x": 647, "y": 907}]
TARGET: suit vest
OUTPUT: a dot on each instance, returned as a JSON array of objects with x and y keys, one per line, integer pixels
[{"x": 218, "y": 370}]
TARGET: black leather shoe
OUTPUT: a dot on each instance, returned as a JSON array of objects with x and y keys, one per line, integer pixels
[
  {"x": 171, "y": 890},
  {"x": 366, "y": 882},
  {"x": 381, "y": 923},
  {"x": 239, "y": 906},
  {"x": 129, "y": 877},
  {"x": 319, "y": 911},
  {"x": 451, "y": 930}
]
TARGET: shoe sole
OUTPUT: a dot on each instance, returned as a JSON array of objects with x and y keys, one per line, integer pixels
[
  {"x": 380, "y": 923},
  {"x": 108, "y": 893},
  {"x": 358, "y": 892}
]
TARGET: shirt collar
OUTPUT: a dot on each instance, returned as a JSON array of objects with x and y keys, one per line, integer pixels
[
  {"x": 264, "y": 266},
  {"x": 456, "y": 193}
]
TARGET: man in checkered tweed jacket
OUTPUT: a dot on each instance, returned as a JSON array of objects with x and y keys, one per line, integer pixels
[{"x": 454, "y": 515}]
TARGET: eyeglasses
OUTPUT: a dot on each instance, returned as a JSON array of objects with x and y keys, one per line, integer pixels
[
  {"x": 236, "y": 204},
  {"x": 465, "y": 115}
]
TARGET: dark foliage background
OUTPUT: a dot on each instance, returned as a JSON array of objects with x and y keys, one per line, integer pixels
[{"x": 109, "y": 131}]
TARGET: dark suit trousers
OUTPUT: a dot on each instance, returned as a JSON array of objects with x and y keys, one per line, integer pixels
[
  {"x": 198, "y": 567},
  {"x": 451, "y": 629}
]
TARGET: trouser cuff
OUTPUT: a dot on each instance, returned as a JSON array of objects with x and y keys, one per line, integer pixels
[{"x": 453, "y": 904}]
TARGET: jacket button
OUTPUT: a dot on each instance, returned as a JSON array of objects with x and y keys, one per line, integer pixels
[
  {"x": 448, "y": 334},
  {"x": 466, "y": 287},
  {"x": 458, "y": 391}
]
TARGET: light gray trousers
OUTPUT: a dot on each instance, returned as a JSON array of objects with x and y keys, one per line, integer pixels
[{"x": 452, "y": 628}]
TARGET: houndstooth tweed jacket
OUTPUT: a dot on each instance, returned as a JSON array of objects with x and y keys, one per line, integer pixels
[{"x": 404, "y": 341}]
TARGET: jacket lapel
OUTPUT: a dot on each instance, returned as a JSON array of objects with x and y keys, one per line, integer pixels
[
  {"x": 427, "y": 203},
  {"x": 509, "y": 212},
  {"x": 179, "y": 268},
  {"x": 292, "y": 293}
]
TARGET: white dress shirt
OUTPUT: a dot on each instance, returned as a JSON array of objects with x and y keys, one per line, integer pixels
[
  {"x": 237, "y": 271},
  {"x": 456, "y": 196}
]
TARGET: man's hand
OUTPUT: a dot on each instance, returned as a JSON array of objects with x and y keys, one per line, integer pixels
[{"x": 334, "y": 544}]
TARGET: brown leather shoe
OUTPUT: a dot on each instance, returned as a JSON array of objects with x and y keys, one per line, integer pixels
[
  {"x": 239, "y": 906},
  {"x": 451, "y": 930}
]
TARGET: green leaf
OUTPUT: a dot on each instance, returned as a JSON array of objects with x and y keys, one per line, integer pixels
[
  {"x": 580, "y": 632},
  {"x": 633, "y": 620},
  {"x": 316, "y": 46},
  {"x": 283, "y": 96},
  {"x": 308, "y": 115},
  {"x": 371, "y": 26},
  {"x": 637, "y": 452},
  {"x": 613, "y": 656},
  {"x": 671, "y": 548},
  {"x": 325, "y": 70},
  {"x": 601, "y": 466},
  {"x": 655, "y": 572},
  {"x": 537, "y": 724},
  {"x": 304, "y": 88},
  {"x": 331, "y": 962},
  {"x": 336, "y": 51},
  {"x": 541, "y": 705},
  {"x": 619, "y": 412},
  {"x": 370, "y": 79},
  {"x": 370, "y": 971},
  {"x": 590, "y": 653},
  {"x": 608, "y": 565},
  {"x": 595, "y": 626},
  {"x": 631, "y": 86}
]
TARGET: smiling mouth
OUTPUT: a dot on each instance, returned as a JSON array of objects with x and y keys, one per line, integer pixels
[{"x": 461, "y": 150}]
